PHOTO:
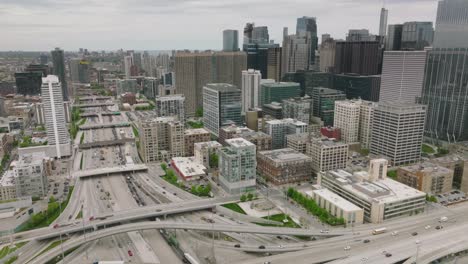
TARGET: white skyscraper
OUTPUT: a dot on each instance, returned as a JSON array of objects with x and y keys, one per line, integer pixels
[
  {"x": 383, "y": 22},
  {"x": 250, "y": 89},
  {"x": 402, "y": 75},
  {"x": 54, "y": 114}
]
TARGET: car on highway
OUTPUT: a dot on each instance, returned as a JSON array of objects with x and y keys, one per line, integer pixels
[
  {"x": 347, "y": 248},
  {"x": 91, "y": 218},
  {"x": 366, "y": 241},
  {"x": 388, "y": 255},
  {"x": 439, "y": 227},
  {"x": 237, "y": 246},
  {"x": 130, "y": 253},
  {"x": 56, "y": 226},
  {"x": 394, "y": 233},
  {"x": 280, "y": 246},
  {"x": 261, "y": 247},
  {"x": 427, "y": 227},
  {"x": 414, "y": 233},
  {"x": 324, "y": 231}
]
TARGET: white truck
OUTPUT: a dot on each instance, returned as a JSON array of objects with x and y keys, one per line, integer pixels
[{"x": 443, "y": 219}]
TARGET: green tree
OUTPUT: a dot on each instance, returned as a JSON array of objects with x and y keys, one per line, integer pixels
[
  {"x": 52, "y": 199},
  {"x": 163, "y": 166},
  {"x": 249, "y": 196},
  {"x": 199, "y": 112},
  {"x": 214, "y": 160},
  {"x": 243, "y": 198}
]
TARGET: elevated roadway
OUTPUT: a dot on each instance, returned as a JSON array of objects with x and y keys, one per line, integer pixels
[
  {"x": 104, "y": 125},
  {"x": 93, "y": 105},
  {"x": 105, "y": 143},
  {"x": 74, "y": 242},
  {"x": 110, "y": 170}
]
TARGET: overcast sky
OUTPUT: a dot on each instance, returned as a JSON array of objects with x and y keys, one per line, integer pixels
[{"x": 182, "y": 24}]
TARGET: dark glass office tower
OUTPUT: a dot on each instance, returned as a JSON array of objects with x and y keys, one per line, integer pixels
[
  {"x": 445, "y": 89},
  {"x": 307, "y": 27},
  {"x": 58, "y": 59}
]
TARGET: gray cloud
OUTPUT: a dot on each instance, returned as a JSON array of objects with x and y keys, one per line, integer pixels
[{"x": 177, "y": 24}]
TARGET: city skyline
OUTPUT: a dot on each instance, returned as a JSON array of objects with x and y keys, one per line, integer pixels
[{"x": 111, "y": 27}]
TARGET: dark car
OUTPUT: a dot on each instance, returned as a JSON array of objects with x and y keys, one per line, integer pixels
[
  {"x": 439, "y": 227},
  {"x": 366, "y": 241},
  {"x": 388, "y": 255},
  {"x": 261, "y": 247},
  {"x": 237, "y": 246},
  {"x": 414, "y": 233}
]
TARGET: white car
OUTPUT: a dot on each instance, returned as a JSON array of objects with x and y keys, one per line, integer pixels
[
  {"x": 427, "y": 227},
  {"x": 394, "y": 233},
  {"x": 347, "y": 248}
]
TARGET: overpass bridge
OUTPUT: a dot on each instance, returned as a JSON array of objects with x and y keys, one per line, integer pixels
[
  {"x": 80, "y": 240},
  {"x": 86, "y": 98},
  {"x": 105, "y": 143},
  {"x": 110, "y": 170},
  {"x": 106, "y": 113},
  {"x": 104, "y": 125},
  {"x": 93, "y": 105}
]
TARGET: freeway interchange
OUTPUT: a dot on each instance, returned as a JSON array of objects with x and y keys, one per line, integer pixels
[{"x": 120, "y": 205}]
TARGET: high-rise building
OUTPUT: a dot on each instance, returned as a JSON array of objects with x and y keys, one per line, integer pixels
[
  {"x": 250, "y": 89},
  {"x": 237, "y": 166},
  {"x": 260, "y": 35},
  {"x": 54, "y": 113},
  {"x": 137, "y": 60},
  {"x": 327, "y": 154},
  {"x": 397, "y": 132},
  {"x": 298, "y": 108},
  {"x": 417, "y": 35},
  {"x": 161, "y": 139},
  {"x": 79, "y": 70},
  {"x": 307, "y": 27},
  {"x": 383, "y": 22},
  {"x": 44, "y": 59},
  {"x": 274, "y": 109},
  {"x": 193, "y": 70},
  {"x": 248, "y": 33},
  {"x": 128, "y": 63},
  {"x": 323, "y": 103},
  {"x": 327, "y": 55},
  {"x": 261, "y": 140},
  {"x": 358, "y": 57},
  {"x": 230, "y": 40},
  {"x": 278, "y": 91},
  {"x": 278, "y": 129},
  {"x": 359, "y": 35},
  {"x": 366, "y": 118},
  {"x": 58, "y": 60},
  {"x": 149, "y": 86},
  {"x": 204, "y": 150},
  {"x": 30, "y": 177},
  {"x": 402, "y": 76},
  {"x": 221, "y": 106},
  {"x": 295, "y": 54},
  {"x": 366, "y": 87},
  {"x": 171, "y": 105},
  {"x": 347, "y": 114},
  {"x": 393, "y": 39},
  {"x": 451, "y": 24},
  {"x": 445, "y": 90},
  {"x": 274, "y": 63},
  {"x": 28, "y": 83}
]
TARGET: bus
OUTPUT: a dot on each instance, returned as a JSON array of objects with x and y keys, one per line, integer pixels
[{"x": 378, "y": 231}]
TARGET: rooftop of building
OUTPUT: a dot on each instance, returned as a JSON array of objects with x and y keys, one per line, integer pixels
[
  {"x": 305, "y": 99},
  {"x": 286, "y": 121},
  {"x": 196, "y": 131},
  {"x": 31, "y": 159},
  {"x": 381, "y": 190},
  {"x": 170, "y": 97},
  {"x": 328, "y": 142},
  {"x": 335, "y": 199},
  {"x": 280, "y": 84},
  {"x": 222, "y": 87},
  {"x": 326, "y": 91},
  {"x": 350, "y": 103},
  {"x": 427, "y": 167},
  {"x": 302, "y": 137},
  {"x": 207, "y": 144},
  {"x": 239, "y": 142},
  {"x": 188, "y": 167},
  {"x": 400, "y": 107},
  {"x": 151, "y": 120},
  {"x": 251, "y": 71},
  {"x": 273, "y": 105},
  {"x": 285, "y": 155}
]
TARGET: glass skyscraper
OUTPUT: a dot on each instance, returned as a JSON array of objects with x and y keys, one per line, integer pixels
[
  {"x": 445, "y": 90},
  {"x": 307, "y": 27},
  {"x": 58, "y": 60}
]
